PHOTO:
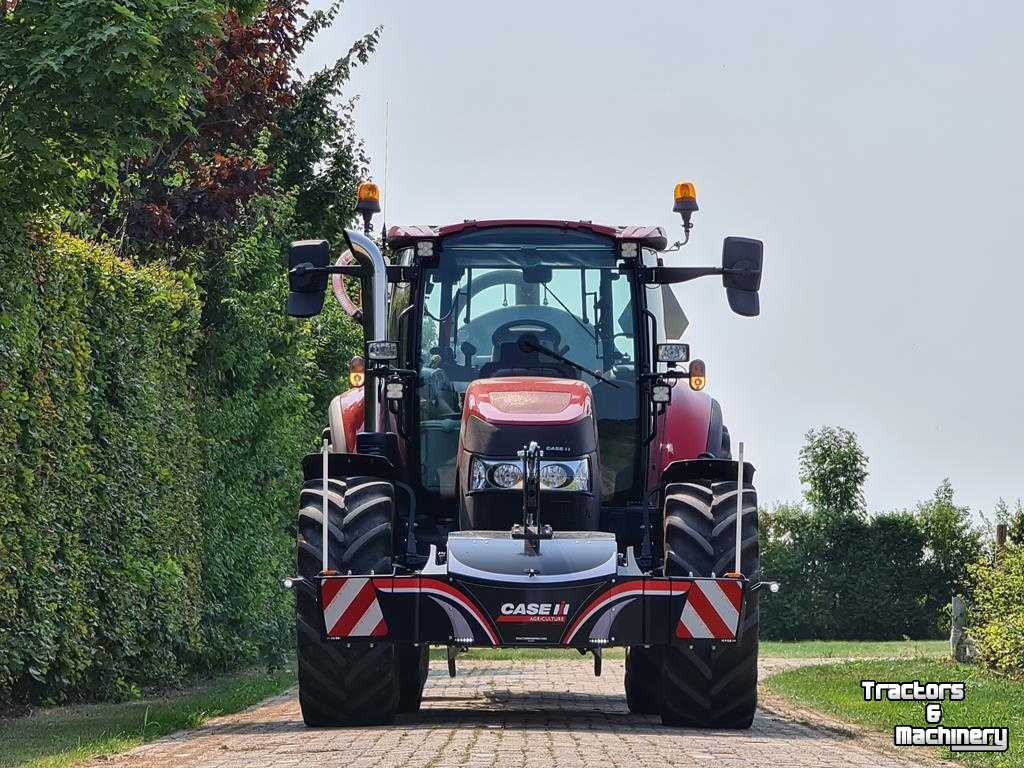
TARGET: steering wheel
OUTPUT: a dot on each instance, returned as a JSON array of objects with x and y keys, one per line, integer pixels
[{"x": 547, "y": 335}]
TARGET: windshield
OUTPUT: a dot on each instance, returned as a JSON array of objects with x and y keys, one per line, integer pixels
[{"x": 561, "y": 288}]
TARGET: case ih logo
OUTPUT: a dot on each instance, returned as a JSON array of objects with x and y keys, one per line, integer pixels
[{"x": 534, "y": 612}]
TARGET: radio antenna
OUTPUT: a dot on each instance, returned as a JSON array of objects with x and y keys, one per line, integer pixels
[{"x": 384, "y": 214}]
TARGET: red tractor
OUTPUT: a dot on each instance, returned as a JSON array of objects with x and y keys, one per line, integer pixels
[{"x": 525, "y": 459}]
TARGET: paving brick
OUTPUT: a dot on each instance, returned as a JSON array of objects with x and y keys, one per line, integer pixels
[{"x": 531, "y": 714}]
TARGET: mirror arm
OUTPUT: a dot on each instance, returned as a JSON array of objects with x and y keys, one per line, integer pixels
[
  {"x": 668, "y": 275},
  {"x": 307, "y": 268}
]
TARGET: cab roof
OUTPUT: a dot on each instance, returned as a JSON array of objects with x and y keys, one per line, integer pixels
[{"x": 648, "y": 237}]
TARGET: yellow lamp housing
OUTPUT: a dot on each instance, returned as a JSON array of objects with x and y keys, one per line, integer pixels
[
  {"x": 357, "y": 371},
  {"x": 685, "y": 198},
  {"x": 368, "y": 198},
  {"x": 698, "y": 375}
]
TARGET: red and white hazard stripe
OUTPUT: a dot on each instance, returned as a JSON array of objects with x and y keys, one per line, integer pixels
[
  {"x": 712, "y": 610},
  {"x": 351, "y": 608}
]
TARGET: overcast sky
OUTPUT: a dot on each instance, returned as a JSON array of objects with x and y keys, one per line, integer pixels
[{"x": 875, "y": 147}]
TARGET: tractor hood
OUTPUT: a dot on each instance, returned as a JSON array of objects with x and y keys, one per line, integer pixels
[
  {"x": 528, "y": 400},
  {"x": 502, "y": 415}
]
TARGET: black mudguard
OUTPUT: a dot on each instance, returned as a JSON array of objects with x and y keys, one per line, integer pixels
[
  {"x": 714, "y": 470},
  {"x": 347, "y": 465}
]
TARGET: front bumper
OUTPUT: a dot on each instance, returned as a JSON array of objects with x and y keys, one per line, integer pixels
[{"x": 574, "y": 597}]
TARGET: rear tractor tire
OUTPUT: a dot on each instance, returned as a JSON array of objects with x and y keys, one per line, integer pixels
[
  {"x": 340, "y": 684},
  {"x": 708, "y": 684}
]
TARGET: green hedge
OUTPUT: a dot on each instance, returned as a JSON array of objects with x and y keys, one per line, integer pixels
[
  {"x": 255, "y": 372},
  {"x": 845, "y": 579},
  {"x": 99, "y": 557},
  {"x": 149, "y": 458},
  {"x": 997, "y": 612}
]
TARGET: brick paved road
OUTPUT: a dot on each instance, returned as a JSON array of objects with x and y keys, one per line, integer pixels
[{"x": 548, "y": 714}]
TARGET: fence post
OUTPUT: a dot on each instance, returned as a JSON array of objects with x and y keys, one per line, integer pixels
[{"x": 958, "y": 620}]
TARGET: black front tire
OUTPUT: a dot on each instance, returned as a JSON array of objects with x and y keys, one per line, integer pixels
[
  {"x": 704, "y": 684},
  {"x": 339, "y": 684}
]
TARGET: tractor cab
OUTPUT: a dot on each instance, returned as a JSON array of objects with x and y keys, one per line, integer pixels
[{"x": 521, "y": 302}]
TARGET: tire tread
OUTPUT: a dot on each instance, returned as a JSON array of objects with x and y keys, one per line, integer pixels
[
  {"x": 710, "y": 685},
  {"x": 339, "y": 685}
]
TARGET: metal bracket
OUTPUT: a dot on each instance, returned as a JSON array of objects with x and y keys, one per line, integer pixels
[
  {"x": 632, "y": 567},
  {"x": 531, "y": 531},
  {"x": 402, "y": 274},
  {"x": 542, "y": 532},
  {"x": 435, "y": 566}
]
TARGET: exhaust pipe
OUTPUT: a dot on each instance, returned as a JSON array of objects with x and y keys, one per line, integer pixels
[{"x": 375, "y": 313}]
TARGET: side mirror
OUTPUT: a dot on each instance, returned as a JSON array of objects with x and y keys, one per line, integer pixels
[
  {"x": 742, "y": 258},
  {"x": 306, "y": 287}
]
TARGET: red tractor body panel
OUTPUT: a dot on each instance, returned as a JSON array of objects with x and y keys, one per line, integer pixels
[
  {"x": 527, "y": 400},
  {"x": 682, "y": 431},
  {"x": 651, "y": 237},
  {"x": 352, "y": 415}
]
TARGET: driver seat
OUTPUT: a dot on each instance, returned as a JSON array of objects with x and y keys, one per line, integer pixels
[{"x": 512, "y": 361}]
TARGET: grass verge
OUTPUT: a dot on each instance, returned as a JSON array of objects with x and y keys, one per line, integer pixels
[
  {"x": 65, "y": 736},
  {"x": 856, "y": 649},
  {"x": 989, "y": 700},
  {"x": 810, "y": 649}
]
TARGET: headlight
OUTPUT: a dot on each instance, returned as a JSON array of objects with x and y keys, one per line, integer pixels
[
  {"x": 478, "y": 475},
  {"x": 506, "y": 475},
  {"x": 555, "y": 476},
  {"x": 583, "y": 475}
]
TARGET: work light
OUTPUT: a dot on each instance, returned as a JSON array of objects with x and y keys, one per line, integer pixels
[
  {"x": 382, "y": 350},
  {"x": 672, "y": 353}
]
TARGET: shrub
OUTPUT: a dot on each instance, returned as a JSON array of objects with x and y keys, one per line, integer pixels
[
  {"x": 849, "y": 575},
  {"x": 997, "y": 613},
  {"x": 846, "y": 578}
]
